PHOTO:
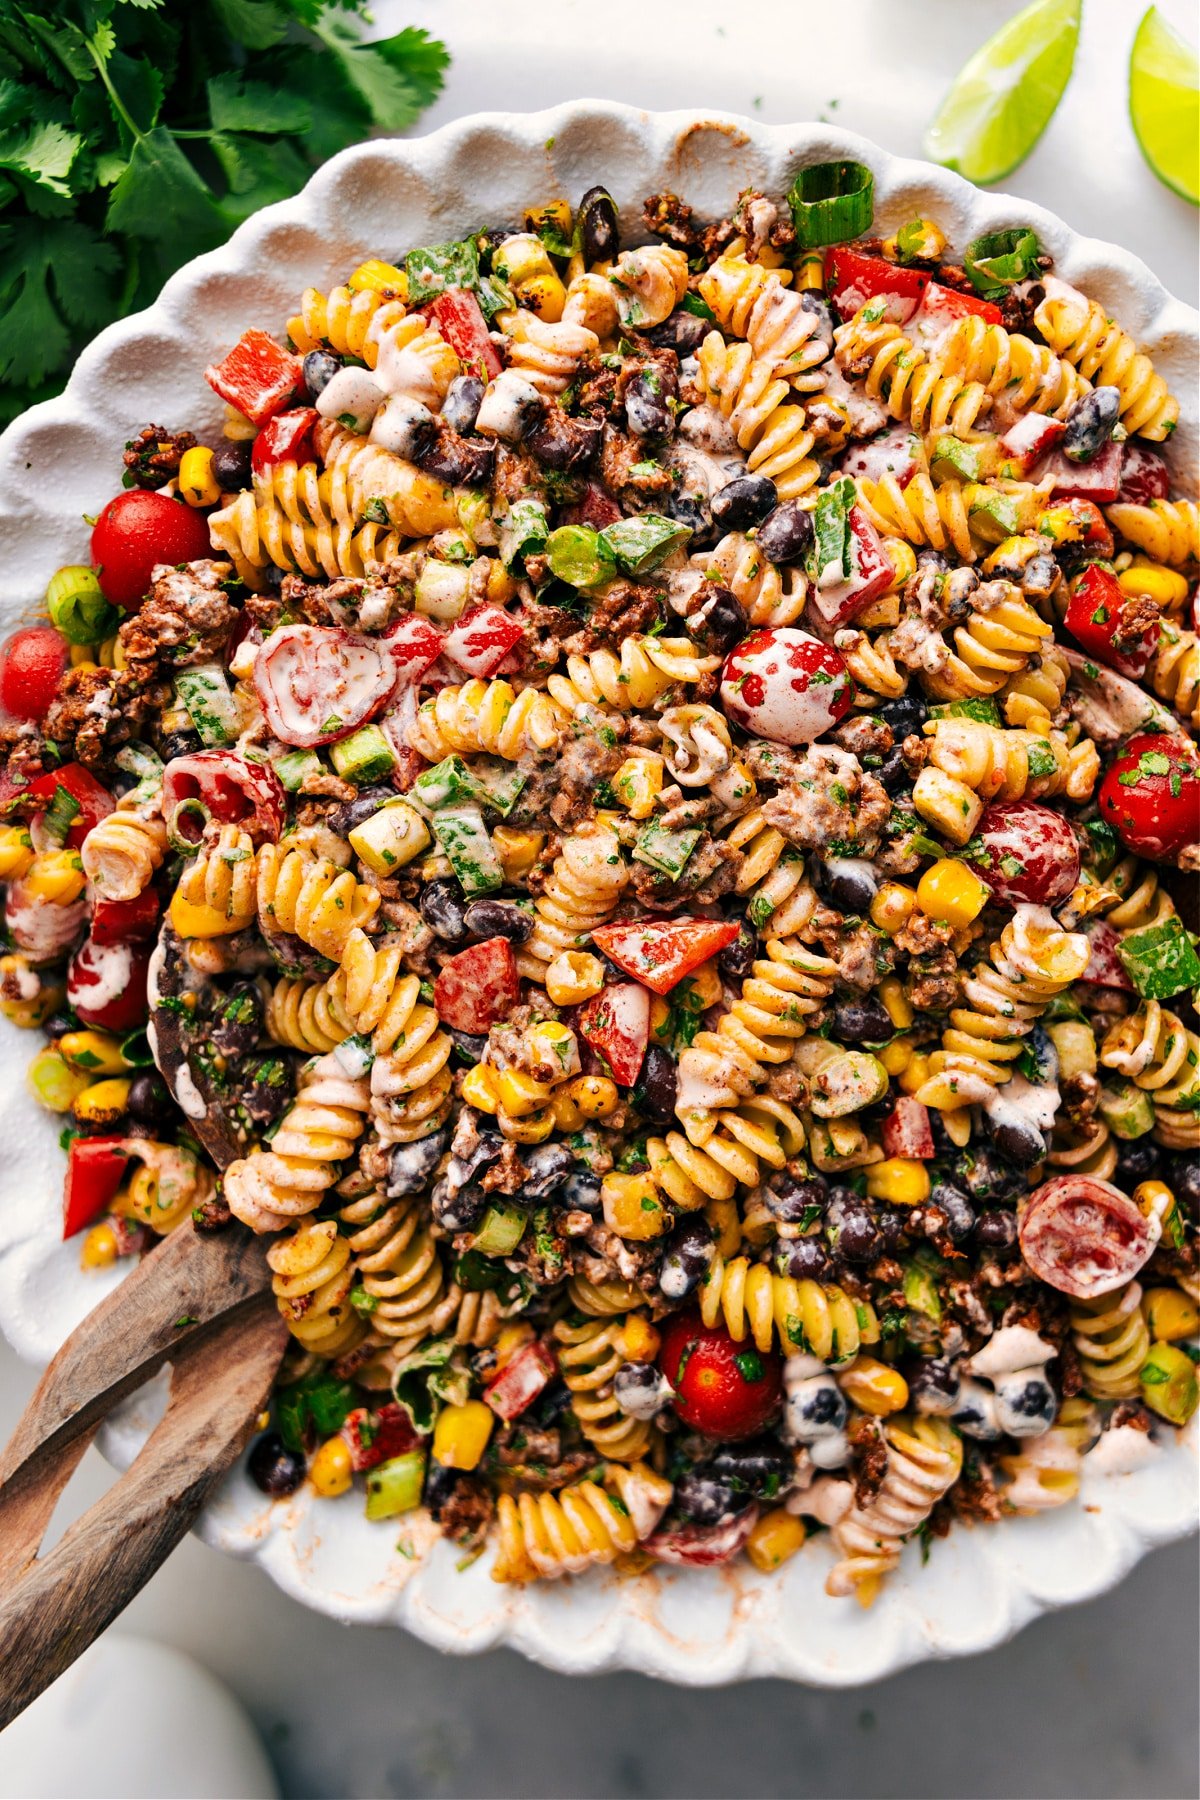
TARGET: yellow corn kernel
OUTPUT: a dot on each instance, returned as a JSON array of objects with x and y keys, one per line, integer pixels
[
  {"x": 706, "y": 983},
  {"x": 1170, "y": 1314},
  {"x": 883, "y": 613},
  {"x": 501, "y": 586},
  {"x": 512, "y": 1339},
  {"x": 594, "y": 1095},
  {"x": 950, "y": 806},
  {"x": 568, "y": 1115},
  {"x": 517, "y": 850},
  {"x": 533, "y": 1128},
  {"x": 892, "y": 906},
  {"x": 546, "y": 296},
  {"x": 53, "y": 1082},
  {"x": 951, "y": 892},
  {"x": 810, "y": 272},
  {"x": 331, "y": 1471},
  {"x": 99, "y": 1249},
  {"x": 874, "y": 1387},
  {"x": 112, "y": 653},
  {"x": 461, "y": 1434},
  {"x": 558, "y": 1039},
  {"x": 521, "y": 259},
  {"x": 775, "y": 1537},
  {"x": 923, "y": 238},
  {"x": 726, "y": 1221},
  {"x": 897, "y": 1055},
  {"x": 379, "y": 278},
  {"x": 196, "y": 919},
  {"x": 82, "y": 656},
  {"x": 899, "y": 1179},
  {"x": 197, "y": 483},
  {"x": 660, "y": 1013},
  {"x": 48, "y": 996},
  {"x": 16, "y": 852},
  {"x": 574, "y": 975},
  {"x": 903, "y": 559},
  {"x": 519, "y": 1093},
  {"x": 640, "y": 1340},
  {"x": 56, "y": 876},
  {"x": 1166, "y": 587},
  {"x": 638, "y": 783},
  {"x": 103, "y": 1102},
  {"x": 479, "y": 1088},
  {"x": 93, "y": 1051},
  {"x": 632, "y": 1207},
  {"x": 1153, "y": 1197},
  {"x": 899, "y": 1008},
  {"x": 554, "y": 216}
]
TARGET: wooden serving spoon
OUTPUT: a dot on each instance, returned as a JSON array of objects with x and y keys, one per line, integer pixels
[{"x": 201, "y": 1304}]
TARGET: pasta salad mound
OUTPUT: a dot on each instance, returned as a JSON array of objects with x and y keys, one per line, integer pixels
[{"x": 636, "y": 815}]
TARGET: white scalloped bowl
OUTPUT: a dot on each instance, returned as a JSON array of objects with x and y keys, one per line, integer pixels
[{"x": 60, "y": 462}]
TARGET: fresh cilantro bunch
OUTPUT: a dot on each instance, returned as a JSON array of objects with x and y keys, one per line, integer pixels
[{"x": 136, "y": 133}]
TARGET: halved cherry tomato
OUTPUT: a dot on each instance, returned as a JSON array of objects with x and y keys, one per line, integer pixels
[
  {"x": 459, "y": 317},
  {"x": 1084, "y": 1236},
  {"x": 660, "y": 952},
  {"x": 286, "y": 438},
  {"x": 786, "y": 685},
  {"x": 31, "y": 666},
  {"x": 482, "y": 639},
  {"x": 106, "y": 985},
  {"x": 258, "y": 377},
  {"x": 898, "y": 451},
  {"x": 1151, "y": 793},
  {"x": 1073, "y": 520},
  {"x": 906, "y": 1131},
  {"x": 1105, "y": 968},
  {"x": 233, "y": 790},
  {"x": 1098, "y": 480},
  {"x": 94, "y": 801},
  {"x": 95, "y": 1170},
  {"x": 126, "y": 921},
  {"x": 376, "y": 1436},
  {"x": 478, "y": 988},
  {"x": 723, "y": 1388},
  {"x": 693, "y": 1546},
  {"x": 137, "y": 530},
  {"x": 520, "y": 1381},
  {"x": 851, "y": 279},
  {"x": 1111, "y": 625},
  {"x": 318, "y": 683},
  {"x": 1144, "y": 475},
  {"x": 616, "y": 1023},
  {"x": 1025, "y": 852},
  {"x": 594, "y": 508}
]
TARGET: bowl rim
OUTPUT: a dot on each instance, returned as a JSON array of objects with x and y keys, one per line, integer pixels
[{"x": 534, "y": 1620}]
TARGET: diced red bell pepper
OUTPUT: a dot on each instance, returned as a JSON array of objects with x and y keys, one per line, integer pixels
[
  {"x": 1098, "y": 480},
  {"x": 258, "y": 376},
  {"x": 693, "y": 1546},
  {"x": 126, "y": 921},
  {"x": 482, "y": 639},
  {"x": 616, "y": 1023},
  {"x": 416, "y": 643},
  {"x": 1105, "y": 968},
  {"x": 1106, "y": 623},
  {"x": 943, "y": 307},
  {"x": 520, "y": 1381},
  {"x": 1144, "y": 475},
  {"x": 906, "y": 1131},
  {"x": 95, "y": 1171},
  {"x": 288, "y": 437},
  {"x": 459, "y": 317},
  {"x": 375, "y": 1437},
  {"x": 871, "y": 574},
  {"x": 478, "y": 988},
  {"x": 660, "y": 952},
  {"x": 106, "y": 985},
  {"x": 896, "y": 452},
  {"x": 851, "y": 279},
  {"x": 95, "y": 802},
  {"x": 235, "y": 791},
  {"x": 1031, "y": 437}
]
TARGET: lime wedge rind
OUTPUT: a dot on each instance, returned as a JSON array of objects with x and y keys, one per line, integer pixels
[
  {"x": 1164, "y": 104},
  {"x": 1007, "y": 93}
]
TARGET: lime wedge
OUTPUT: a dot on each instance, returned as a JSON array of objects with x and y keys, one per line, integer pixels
[
  {"x": 1164, "y": 104},
  {"x": 1005, "y": 97}
]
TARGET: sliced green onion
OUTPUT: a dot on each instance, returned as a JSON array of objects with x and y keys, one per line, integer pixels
[
  {"x": 77, "y": 607},
  {"x": 999, "y": 258},
  {"x": 204, "y": 691},
  {"x": 295, "y": 767},
  {"x": 501, "y": 1229},
  {"x": 146, "y": 764},
  {"x": 831, "y": 202},
  {"x": 60, "y": 815},
  {"x": 700, "y": 309},
  {"x": 135, "y": 1048},
  {"x": 640, "y": 544},
  {"x": 177, "y": 837},
  {"x": 395, "y": 1486}
]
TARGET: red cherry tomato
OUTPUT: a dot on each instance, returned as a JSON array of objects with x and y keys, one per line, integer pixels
[
  {"x": 31, "y": 665},
  {"x": 722, "y": 1388},
  {"x": 852, "y": 279},
  {"x": 694, "y": 1546},
  {"x": 459, "y": 318},
  {"x": 785, "y": 685},
  {"x": 616, "y": 1023},
  {"x": 95, "y": 1170},
  {"x": 1109, "y": 625},
  {"x": 137, "y": 530},
  {"x": 1084, "y": 1236},
  {"x": 1151, "y": 793},
  {"x": 94, "y": 801},
  {"x": 1025, "y": 852},
  {"x": 478, "y": 988},
  {"x": 660, "y": 952},
  {"x": 286, "y": 438},
  {"x": 106, "y": 985},
  {"x": 234, "y": 790},
  {"x": 1144, "y": 475},
  {"x": 127, "y": 921},
  {"x": 258, "y": 376}
]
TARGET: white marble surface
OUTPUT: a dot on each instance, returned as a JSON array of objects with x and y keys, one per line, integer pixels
[{"x": 1095, "y": 1702}]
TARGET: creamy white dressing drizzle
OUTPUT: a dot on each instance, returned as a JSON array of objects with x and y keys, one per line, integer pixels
[{"x": 188, "y": 1095}]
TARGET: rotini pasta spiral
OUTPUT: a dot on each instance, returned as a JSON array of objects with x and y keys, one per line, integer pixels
[
  {"x": 584, "y": 886},
  {"x": 648, "y": 284},
  {"x": 1113, "y": 1343},
  {"x": 1028, "y": 376},
  {"x": 410, "y": 1078},
  {"x": 486, "y": 716},
  {"x": 753, "y": 1301},
  {"x": 600, "y": 1300},
  {"x": 353, "y": 324},
  {"x": 921, "y": 513},
  {"x": 1155, "y": 1049},
  {"x": 1007, "y": 765},
  {"x": 165, "y": 1183},
  {"x": 299, "y": 1014},
  {"x": 548, "y": 1535},
  {"x": 313, "y": 1278},
  {"x": 547, "y": 355},
  {"x": 773, "y": 873},
  {"x": 771, "y": 595},
  {"x": 268, "y": 1189},
  {"x": 777, "y": 1001},
  {"x": 222, "y": 880},
  {"x": 1044, "y": 1472},
  {"x": 121, "y": 853},
  {"x": 871, "y": 663},
  {"x": 1088, "y": 1149},
  {"x": 755, "y": 402},
  {"x": 1032, "y": 698},
  {"x": 753, "y": 302},
  {"x": 725, "y": 1147},
  {"x": 311, "y": 897},
  {"x": 988, "y": 651},
  {"x": 1143, "y": 901},
  {"x": 641, "y": 674},
  {"x": 403, "y": 1282},
  {"x": 589, "y": 1355},
  {"x": 924, "y": 1460},
  {"x": 1167, "y": 530},
  {"x": 1174, "y": 673},
  {"x": 1080, "y": 331},
  {"x": 898, "y": 373},
  {"x": 590, "y": 304}
]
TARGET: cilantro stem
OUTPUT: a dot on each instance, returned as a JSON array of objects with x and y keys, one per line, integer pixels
[{"x": 118, "y": 105}]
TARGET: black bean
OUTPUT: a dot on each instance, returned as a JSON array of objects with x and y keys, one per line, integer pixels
[
  {"x": 472, "y": 1044},
  {"x": 785, "y": 534},
  {"x": 889, "y": 1223},
  {"x": 813, "y": 302},
  {"x": 179, "y": 743},
  {"x": 791, "y": 1198},
  {"x": 461, "y": 406},
  {"x": 1090, "y": 424},
  {"x": 1016, "y": 1139},
  {"x": 1025, "y": 1403},
  {"x": 412, "y": 1166},
  {"x": 996, "y": 1229},
  {"x": 546, "y": 1168},
  {"x": 149, "y": 1098},
  {"x": 582, "y": 1190},
  {"x": 273, "y": 1468},
  {"x": 906, "y": 715},
  {"x": 596, "y": 228},
  {"x": 803, "y": 1259},
  {"x": 708, "y": 1498},
  {"x": 1183, "y": 1178},
  {"x": 687, "y": 1255},
  {"x": 440, "y": 1485},
  {"x": 447, "y": 456},
  {"x": 320, "y": 367},
  {"x": 682, "y": 332},
  {"x": 231, "y": 465},
  {"x": 817, "y": 1408},
  {"x": 759, "y": 1467},
  {"x": 691, "y": 509},
  {"x": 737, "y": 959},
  {"x": 863, "y": 1020},
  {"x": 657, "y": 1084},
  {"x": 461, "y": 1210},
  {"x": 846, "y": 885},
  {"x": 959, "y": 1213},
  {"x": 718, "y": 621},
  {"x": 857, "y": 1239},
  {"x": 348, "y": 814},
  {"x": 983, "y": 1174},
  {"x": 638, "y": 1388},
  {"x": 562, "y": 443},
  {"x": 59, "y": 1023},
  {"x": 934, "y": 1385},
  {"x": 442, "y": 910},
  {"x": 894, "y": 775},
  {"x": 744, "y": 502},
  {"x": 498, "y": 918},
  {"x": 646, "y": 410}
]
